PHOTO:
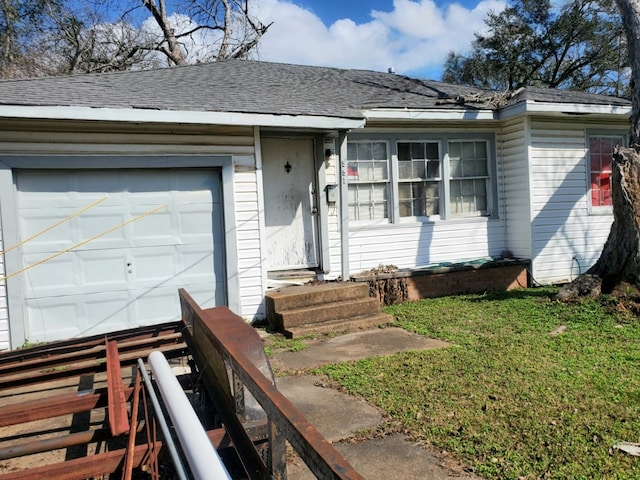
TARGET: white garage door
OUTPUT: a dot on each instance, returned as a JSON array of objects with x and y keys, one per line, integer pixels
[{"x": 134, "y": 237}]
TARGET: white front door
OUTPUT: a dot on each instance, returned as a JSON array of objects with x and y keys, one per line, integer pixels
[
  {"x": 290, "y": 203},
  {"x": 122, "y": 243}
]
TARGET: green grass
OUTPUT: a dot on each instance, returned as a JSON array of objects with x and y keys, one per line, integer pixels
[
  {"x": 277, "y": 342},
  {"x": 509, "y": 399}
]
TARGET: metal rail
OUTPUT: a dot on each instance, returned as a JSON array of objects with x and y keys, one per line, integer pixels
[{"x": 223, "y": 340}]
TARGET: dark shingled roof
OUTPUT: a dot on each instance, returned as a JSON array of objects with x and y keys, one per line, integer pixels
[{"x": 244, "y": 86}]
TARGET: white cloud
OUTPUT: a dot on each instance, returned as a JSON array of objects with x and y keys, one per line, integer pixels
[{"x": 414, "y": 37}]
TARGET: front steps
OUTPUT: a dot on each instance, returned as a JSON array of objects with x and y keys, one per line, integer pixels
[{"x": 323, "y": 308}]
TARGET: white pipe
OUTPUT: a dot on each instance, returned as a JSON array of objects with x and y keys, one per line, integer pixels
[
  {"x": 173, "y": 451},
  {"x": 204, "y": 461}
]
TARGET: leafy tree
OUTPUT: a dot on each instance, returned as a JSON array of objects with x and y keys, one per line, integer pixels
[{"x": 579, "y": 45}]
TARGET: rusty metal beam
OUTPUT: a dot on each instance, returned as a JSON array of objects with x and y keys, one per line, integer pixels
[
  {"x": 83, "y": 368},
  {"x": 81, "y": 468},
  {"x": 75, "y": 345},
  {"x": 118, "y": 421},
  {"x": 52, "y": 359},
  {"x": 55, "y": 406},
  {"x": 54, "y": 443}
]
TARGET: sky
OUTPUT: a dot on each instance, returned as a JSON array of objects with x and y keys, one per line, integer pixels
[{"x": 412, "y": 36}]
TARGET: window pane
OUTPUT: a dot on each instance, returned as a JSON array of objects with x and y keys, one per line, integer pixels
[
  {"x": 466, "y": 187},
  {"x": 455, "y": 164},
  {"x": 352, "y": 171},
  {"x": 455, "y": 189},
  {"x": 380, "y": 170},
  {"x": 417, "y": 151},
  {"x": 418, "y": 169},
  {"x": 405, "y": 208},
  {"x": 404, "y": 170},
  {"x": 365, "y": 151},
  {"x": 379, "y": 151},
  {"x": 433, "y": 169},
  {"x": 468, "y": 150},
  {"x": 481, "y": 150},
  {"x": 481, "y": 167},
  {"x": 433, "y": 151},
  {"x": 352, "y": 151},
  {"x": 600, "y": 160},
  {"x": 379, "y": 193},
  {"x": 404, "y": 151},
  {"x": 454, "y": 150}
]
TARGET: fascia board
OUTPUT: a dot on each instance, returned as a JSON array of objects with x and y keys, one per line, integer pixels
[
  {"x": 425, "y": 115},
  {"x": 531, "y": 106},
  {"x": 178, "y": 116}
]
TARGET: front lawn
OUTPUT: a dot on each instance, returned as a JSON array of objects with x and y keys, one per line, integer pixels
[{"x": 532, "y": 388}]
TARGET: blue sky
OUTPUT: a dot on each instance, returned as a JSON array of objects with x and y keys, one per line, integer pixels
[{"x": 413, "y": 36}]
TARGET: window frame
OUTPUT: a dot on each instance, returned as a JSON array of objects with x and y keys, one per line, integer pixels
[
  {"x": 387, "y": 183},
  {"x": 488, "y": 180},
  {"x": 443, "y": 139},
  {"x": 599, "y": 133},
  {"x": 437, "y": 180}
]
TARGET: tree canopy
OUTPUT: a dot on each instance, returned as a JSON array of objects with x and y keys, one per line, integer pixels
[
  {"x": 579, "y": 45},
  {"x": 53, "y": 37}
]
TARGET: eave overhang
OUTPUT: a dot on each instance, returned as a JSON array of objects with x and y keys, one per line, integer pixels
[
  {"x": 406, "y": 114},
  {"x": 551, "y": 108},
  {"x": 178, "y": 117}
]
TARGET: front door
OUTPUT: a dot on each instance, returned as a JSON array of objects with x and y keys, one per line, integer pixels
[{"x": 290, "y": 203}]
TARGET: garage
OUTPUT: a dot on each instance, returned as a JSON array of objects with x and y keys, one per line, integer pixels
[{"x": 107, "y": 249}]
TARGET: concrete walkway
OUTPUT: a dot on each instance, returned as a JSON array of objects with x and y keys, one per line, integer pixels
[{"x": 339, "y": 416}]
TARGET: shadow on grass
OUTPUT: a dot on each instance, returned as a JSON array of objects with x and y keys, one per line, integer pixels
[{"x": 519, "y": 294}]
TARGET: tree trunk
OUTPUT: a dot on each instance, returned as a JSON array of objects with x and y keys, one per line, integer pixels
[{"x": 620, "y": 257}]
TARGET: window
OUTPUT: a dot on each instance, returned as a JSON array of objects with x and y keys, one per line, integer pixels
[
  {"x": 408, "y": 177},
  {"x": 419, "y": 177},
  {"x": 368, "y": 177},
  {"x": 600, "y": 160},
  {"x": 469, "y": 171}
]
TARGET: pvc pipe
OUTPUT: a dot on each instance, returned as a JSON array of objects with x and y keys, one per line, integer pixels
[
  {"x": 175, "y": 456},
  {"x": 204, "y": 461}
]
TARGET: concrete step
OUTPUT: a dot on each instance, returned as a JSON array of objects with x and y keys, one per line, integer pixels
[
  {"x": 339, "y": 326},
  {"x": 360, "y": 307},
  {"x": 291, "y": 298}
]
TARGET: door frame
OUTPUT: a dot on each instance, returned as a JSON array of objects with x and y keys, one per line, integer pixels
[
  {"x": 9, "y": 164},
  {"x": 317, "y": 182}
]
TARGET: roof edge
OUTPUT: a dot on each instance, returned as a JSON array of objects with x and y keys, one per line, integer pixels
[
  {"x": 532, "y": 106},
  {"x": 430, "y": 114},
  {"x": 178, "y": 116}
]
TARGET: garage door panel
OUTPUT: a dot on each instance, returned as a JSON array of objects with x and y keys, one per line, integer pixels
[
  {"x": 153, "y": 265},
  {"x": 54, "y": 277},
  {"x": 94, "y": 226},
  {"x": 131, "y": 276},
  {"x": 60, "y": 320},
  {"x": 102, "y": 270},
  {"x": 155, "y": 306}
]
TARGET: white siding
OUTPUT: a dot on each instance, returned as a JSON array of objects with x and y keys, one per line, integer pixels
[
  {"x": 333, "y": 223},
  {"x": 516, "y": 188},
  {"x": 567, "y": 237},
  {"x": 420, "y": 244},
  {"x": 237, "y": 142},
  {"x": 249, "y": 253},
  {"x": 4, "y": 314}
]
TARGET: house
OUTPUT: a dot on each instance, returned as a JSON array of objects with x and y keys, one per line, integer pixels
[{"x": 116, "y": 189}]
